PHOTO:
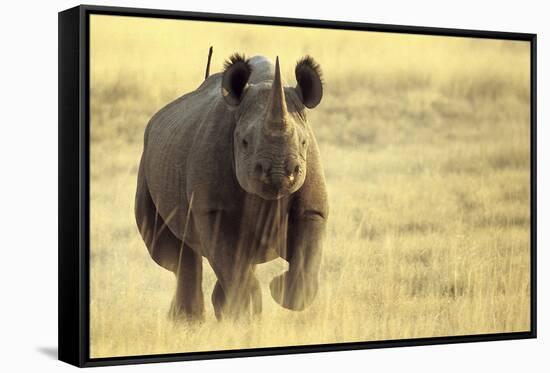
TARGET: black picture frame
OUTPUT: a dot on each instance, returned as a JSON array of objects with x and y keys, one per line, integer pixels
[{"x": 74, "y": 251}]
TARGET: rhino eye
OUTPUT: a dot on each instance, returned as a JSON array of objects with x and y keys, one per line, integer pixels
[
  {"x": 303, "y": 142},
  {"x": 245, "y": 143}
]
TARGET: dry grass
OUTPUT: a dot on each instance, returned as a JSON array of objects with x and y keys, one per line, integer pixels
[{"x": 425, "y": 144}]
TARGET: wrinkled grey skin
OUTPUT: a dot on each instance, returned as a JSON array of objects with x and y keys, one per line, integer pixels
[{"x": 237, "y": 180}]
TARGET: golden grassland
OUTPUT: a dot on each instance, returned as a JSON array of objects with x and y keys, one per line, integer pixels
[{"x": 425, "y": 145}]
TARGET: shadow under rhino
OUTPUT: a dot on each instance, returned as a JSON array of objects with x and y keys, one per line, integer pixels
[{"x": 231, "y": 172}]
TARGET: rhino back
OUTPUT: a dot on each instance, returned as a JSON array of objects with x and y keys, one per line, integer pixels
[{"x": 262, "y": 69}]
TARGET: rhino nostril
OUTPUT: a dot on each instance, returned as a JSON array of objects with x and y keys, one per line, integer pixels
[
  {"x": 258, "y": 170},
  {"x": 293, "y": 169}
]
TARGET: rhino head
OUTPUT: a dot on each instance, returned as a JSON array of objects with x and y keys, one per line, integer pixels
[{"x": 271, "y": 135}]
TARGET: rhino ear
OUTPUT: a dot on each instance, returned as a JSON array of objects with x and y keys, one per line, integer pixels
[
  {"x": 310, "y": 81},
  {"x": 235, "y": 78}
]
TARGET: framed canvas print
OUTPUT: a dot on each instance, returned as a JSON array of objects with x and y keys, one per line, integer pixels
[{"x": 238, "y": 186}]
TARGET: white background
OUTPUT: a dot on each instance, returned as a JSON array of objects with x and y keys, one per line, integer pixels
[{"x": 28, "y": 184}]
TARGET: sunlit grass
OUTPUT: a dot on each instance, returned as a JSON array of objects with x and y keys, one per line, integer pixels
[{"x": 425, "y": 145}]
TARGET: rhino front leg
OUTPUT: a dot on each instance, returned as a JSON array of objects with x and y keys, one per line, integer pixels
[
  {"x": 237, "y": 291},
  {"x": 296, "y": 288}
]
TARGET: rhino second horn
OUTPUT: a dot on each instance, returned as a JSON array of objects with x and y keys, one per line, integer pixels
[{"x": 277, "y": 104}]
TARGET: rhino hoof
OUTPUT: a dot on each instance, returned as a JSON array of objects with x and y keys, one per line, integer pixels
[
  {"x": 178, "y": 313},
  {"x": 284, "y": 295}
]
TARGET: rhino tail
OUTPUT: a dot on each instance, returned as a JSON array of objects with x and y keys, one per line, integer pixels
[{"x": 207, "y": 73}]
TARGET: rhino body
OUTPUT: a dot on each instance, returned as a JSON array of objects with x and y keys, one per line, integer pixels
[{"x": 201, "y": 194}]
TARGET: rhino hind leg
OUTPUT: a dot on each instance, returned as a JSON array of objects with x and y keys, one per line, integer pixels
[
  {"x": 161, "y": 243},
  {"x": 236, "y": 297},
  {"x": 188, "y": 302},
  {"x": 169, "y": 252}
]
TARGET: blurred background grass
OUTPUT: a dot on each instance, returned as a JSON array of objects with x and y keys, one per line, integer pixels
[{"x": 425, "y": 144}]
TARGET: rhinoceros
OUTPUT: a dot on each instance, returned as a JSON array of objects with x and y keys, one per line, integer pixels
[{"x": 232, "y": 172}]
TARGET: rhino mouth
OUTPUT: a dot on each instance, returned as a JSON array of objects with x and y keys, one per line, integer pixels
[
  {"x": 273, "y": 194},
  {"x": 273, "y": 190}
]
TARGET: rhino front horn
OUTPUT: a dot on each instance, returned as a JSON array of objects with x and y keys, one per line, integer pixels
[{"x": 277, "y": 104}]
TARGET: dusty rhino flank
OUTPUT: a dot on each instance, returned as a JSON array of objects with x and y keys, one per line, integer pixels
[{"x": 231, "y": 172}]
